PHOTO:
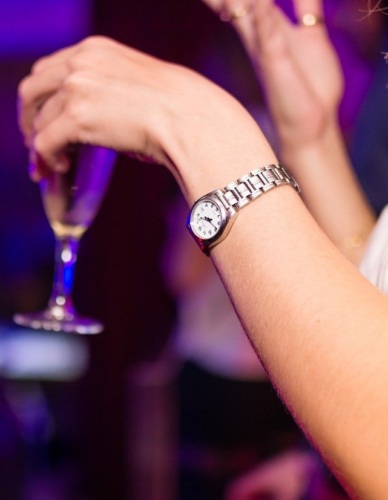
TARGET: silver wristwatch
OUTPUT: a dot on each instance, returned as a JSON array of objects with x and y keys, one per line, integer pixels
[{"x": 212, "y": 215}]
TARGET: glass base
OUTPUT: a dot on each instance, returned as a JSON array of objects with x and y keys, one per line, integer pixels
[{"x": 58, "y": 320}]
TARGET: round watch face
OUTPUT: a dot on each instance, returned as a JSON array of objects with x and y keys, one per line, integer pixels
[{"x": 206, "y": 219}]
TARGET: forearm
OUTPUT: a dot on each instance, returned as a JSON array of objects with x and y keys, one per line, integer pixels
[
  {"x": 319, "y": 330},
  {"x": 331, "y": 190},
  {"x": 318, "y": 326}
]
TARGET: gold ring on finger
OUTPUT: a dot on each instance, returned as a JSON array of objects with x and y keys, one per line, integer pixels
[
  {"x": 310, "y": 20},
  {"x": 232, "y": 15}
]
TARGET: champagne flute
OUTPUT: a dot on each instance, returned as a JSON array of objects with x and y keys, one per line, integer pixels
[{"x": 71, "y": 201}]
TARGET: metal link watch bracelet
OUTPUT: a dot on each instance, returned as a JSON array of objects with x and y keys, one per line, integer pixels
[{"x": 211, "y": 216}]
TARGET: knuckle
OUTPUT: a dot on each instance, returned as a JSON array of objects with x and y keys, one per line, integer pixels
[
  {"x": 76, "y": 86},
  {"x": 38, "y": 65},
  {"x": 89, "y": 52},
  {"x": 75, "y": 106},
  {"x": 23, "y": 88},
  {"x": 73, "y": 83},
  {"x": 94, "y": 41},
  {"x": 79, "y": 61},
  {"x": 90, "y": 42}
]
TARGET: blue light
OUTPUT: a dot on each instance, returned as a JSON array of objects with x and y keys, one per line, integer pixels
[
  {"x": 68, "y": 277},
  {"x": 35, "y": 27}
]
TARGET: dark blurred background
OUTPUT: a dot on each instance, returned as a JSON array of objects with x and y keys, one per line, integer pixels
[
  {"x": 117, "y": 279},
  {"x": 79, "y": 445}
]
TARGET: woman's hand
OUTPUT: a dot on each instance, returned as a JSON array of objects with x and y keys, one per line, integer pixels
[
  {"x": 104, "y": 93},
  {"x": 302, "y": 80},
  {"x": 94, "y": 92},
  {"x": 296, "y": 64},
  {"x": 284, "y": 477}
]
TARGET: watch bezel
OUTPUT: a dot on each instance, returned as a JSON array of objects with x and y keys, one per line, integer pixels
[{"x": 206, "y": 244}]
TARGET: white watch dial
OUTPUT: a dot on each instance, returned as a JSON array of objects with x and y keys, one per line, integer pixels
[{"x": 206, "y": 219}]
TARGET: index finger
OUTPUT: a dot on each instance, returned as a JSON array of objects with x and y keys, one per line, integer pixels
[{"x": 33, "y": 91}]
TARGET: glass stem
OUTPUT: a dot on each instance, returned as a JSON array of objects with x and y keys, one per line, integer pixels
[{"x": 65, "y": 259}]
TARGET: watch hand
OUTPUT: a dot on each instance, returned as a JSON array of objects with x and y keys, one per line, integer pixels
[{"x": 208, "y": 219}]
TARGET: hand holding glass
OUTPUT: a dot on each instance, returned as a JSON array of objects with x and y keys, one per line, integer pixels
[{"x": 71, "y": 201}]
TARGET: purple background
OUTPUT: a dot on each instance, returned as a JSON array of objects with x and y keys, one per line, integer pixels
[{"x": 118, "y": 277}]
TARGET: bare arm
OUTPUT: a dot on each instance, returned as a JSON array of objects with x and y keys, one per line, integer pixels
[
  {"x": 319, "y": 328},
  {"x": 302, "y": 81}
]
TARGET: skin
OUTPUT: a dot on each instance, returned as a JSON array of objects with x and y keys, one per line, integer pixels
[
  {"x": 88, "y": 92},
  {"x": 299, "y": 72},
  {"x": 284, "y": 477},
  {"x": 319, "y": 328},
  {"x": 301, "y": 77}
]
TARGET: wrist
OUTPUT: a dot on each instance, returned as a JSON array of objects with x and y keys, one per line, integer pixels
[
  {"x": 329, "y": 144},
  {"x": 213, "y": 166},
  {"x": 212, "y": 216},
  {"x": 331, "y": 190},
  {"x": 210, "y": 145}
]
